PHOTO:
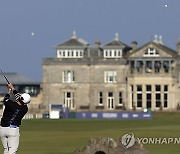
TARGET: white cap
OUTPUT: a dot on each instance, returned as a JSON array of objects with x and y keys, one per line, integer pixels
[{"x": 26, "y": 98}]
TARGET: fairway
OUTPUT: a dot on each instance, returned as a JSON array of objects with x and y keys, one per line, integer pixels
[{"x": 46, "y": 136}]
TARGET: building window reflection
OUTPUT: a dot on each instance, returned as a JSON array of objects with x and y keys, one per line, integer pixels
[
  {"x": 148, "y": 66},
  {"x": 139, "y": 66},
  {"x": 157, "y": 66},
  {"x": 166, "y": 66}
]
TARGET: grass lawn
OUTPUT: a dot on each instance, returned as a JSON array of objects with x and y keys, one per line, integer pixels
[{"x": 46, "y": 136}]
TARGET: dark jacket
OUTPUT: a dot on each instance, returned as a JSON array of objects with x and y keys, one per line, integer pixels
[{"x": 13, "y": 112}]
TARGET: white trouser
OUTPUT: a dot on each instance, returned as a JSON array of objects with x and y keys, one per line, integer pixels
[{"x": 10, "y": 139}]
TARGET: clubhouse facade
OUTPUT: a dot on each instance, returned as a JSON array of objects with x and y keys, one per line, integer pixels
[{"x": 113, "y": 76}]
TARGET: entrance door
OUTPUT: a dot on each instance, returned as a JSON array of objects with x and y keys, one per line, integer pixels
[{"x": 110, "y": 101}]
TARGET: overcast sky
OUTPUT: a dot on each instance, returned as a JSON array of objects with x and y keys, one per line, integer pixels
[{"x": 29, "y": 29}]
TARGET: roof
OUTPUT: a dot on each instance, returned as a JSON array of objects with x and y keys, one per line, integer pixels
[
  {"x": 71, "y": 42},
  {"x": 158, "y": 45},
  {"x": 17, "y": 79},
  {"x": 116, "y": 42}
]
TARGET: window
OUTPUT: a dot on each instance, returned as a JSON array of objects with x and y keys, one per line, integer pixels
[
  {"x": 139, "y": 100},
  {"x": 139, "y": 88},
  {"x": 69, "y": 53},
  {"x": 110, "y": 101},
  {"x": 139, "y": 66},
  {"x": 106, "y": 54},
  {"x": 158, "y": 95},
  {"x": 112, "y": 53},
  {"x": 80, "y": 53},
  {"x": 119, "y": 53},
  {"x": 158, "y": 100},
  {"x": 100, "y": 98},
  {"x": 148, "y": 100},
  {"x": 32, "y": 90},
  {"x": 59, "y": 53},
  {"x": 68, "y": 76},
  {"x": 157, "y": 66},
  {"x": 120, "y": 99},
  {"x": 165, "y": 100},
  {"x": 165, "y": 88},
  {"x": 158, "y": 88},
  {"x": 110, "y": 76},
  {"x": 166, "y": 66},
  {"x": 139, "y": 95},
  {"x": 64, "y": 54},
  {"x": 69, "y": 100},
  {"x": 148, "y": 88},
  {"x": 148, "y": 66},
  {"x": 165, "y": 96},
  {"x": 115, "y": 53},
  {"x": 148, "y": 96},
  {"x": 151, "y": 52},
  {"x": 131, "y": 63},
  {"x": 77, "y": 53}
]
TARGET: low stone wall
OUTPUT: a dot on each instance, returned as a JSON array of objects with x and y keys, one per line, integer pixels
[{"x": 109, "y": 146}]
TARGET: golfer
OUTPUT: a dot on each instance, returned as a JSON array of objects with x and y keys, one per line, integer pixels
[{"x": 11, "y": 120}]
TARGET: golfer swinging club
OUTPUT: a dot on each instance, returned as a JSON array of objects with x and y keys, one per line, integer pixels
[{"x": 11, "y": 119}]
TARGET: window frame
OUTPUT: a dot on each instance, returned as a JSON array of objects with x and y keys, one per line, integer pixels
[
  {"x": 69, "y": 101},
  {"x": 112, "y": 53},
  {"x": 68, "y": 76},
  {"x": 110, "y": 77}
]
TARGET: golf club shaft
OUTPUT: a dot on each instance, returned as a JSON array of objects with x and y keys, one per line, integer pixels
[{"x": 5, "y": 77}]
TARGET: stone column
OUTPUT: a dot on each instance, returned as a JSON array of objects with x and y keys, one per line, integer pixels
[
  {"x": 153, "y": 105},
  {"x": 144, "y": 96},
  {"x": 162, "y": 97}
]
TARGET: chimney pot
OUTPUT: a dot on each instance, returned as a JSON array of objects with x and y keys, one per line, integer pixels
[{"x": 134, "y": 45}]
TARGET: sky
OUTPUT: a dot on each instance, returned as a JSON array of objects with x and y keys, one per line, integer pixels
[{"x": 30, "y": 29}]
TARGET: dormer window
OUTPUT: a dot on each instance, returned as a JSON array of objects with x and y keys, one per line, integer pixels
[
  {"x": 70, "y": 53},
  {"x": 151, "y": 52},
  {"x": 112, "y": 53}
]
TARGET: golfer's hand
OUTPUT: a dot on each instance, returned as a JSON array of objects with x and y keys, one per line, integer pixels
[
  {"x": 10, "y": 90},
  {"x": 10, "y": 85}
]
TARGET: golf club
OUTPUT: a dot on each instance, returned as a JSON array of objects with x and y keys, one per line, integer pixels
[{"x": 5, "y": 76}]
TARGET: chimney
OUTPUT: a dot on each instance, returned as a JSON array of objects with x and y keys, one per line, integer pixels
[
  {"x": 97, "y": 43},
  {"x": 178, "y": 47},
  {"x": 160, "y": 40},
  {"x": 116, "y": 37},
  {"x": 74, "y": 36},
  {"x": 134, "y": 45},
  {"x": 156, "y": 38}
]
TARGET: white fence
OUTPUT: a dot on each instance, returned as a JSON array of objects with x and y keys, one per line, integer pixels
[{"x": 33, "y": 116}]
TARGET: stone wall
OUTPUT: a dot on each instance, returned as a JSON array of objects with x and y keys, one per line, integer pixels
[{"x": 109, "y": 146}]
